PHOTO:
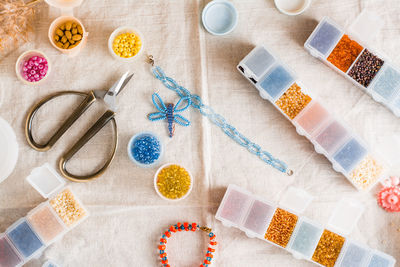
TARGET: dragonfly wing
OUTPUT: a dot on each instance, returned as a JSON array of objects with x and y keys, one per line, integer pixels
[
  {"x": 180, "y": 106},
  {"x": 157, "y": 116},
  {"x": 158, "y": 103},
  {"x": 181, "y": 120}
]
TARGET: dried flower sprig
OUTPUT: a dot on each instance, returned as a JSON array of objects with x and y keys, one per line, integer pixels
[{"x": 16, "y": 18}]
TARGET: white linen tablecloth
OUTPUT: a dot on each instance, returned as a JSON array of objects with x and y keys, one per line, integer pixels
[{"x": 127, "y": 217}]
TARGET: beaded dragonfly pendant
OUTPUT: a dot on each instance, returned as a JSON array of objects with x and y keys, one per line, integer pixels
[{"x": 169, "y": 112}]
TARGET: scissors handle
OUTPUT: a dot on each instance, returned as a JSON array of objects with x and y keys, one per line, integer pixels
[
  {"x": 96, "y": 127},
  {"x": 90, "y": 98}
]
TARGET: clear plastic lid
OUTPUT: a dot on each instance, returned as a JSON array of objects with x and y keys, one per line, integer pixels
[
  {"x": 296, "y": 200},
  {"x": 346, "y": 215},
  {"x": 366, "y": 26},
  {"x": 8, "y": 151},
  {"x": 45, "y": 180}
]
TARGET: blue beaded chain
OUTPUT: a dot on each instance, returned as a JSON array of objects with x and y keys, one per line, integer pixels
[{"x": 217, "y": 119}]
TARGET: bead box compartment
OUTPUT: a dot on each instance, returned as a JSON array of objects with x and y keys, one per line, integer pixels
[
  {"x": 303, "y": 241},
  {"x": 46, "y": 223},
  {"x": 9, "y": 254},
  {"x": 25, "y": 239},
  {"x": 328, "y": 134},
  {"x": 383, "y": 86}
]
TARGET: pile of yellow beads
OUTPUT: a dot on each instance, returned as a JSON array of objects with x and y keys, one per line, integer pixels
[
  {"x": 173, "y": 181},
  {"x": 127, "y": 45}
]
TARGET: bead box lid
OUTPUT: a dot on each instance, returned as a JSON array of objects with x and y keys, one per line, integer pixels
[
  {"x": 366, "y": 26},
  {"x": 45, "y": 180},
  {"x": 296, "y": 199},
  {"x": 346, "y": 215}
]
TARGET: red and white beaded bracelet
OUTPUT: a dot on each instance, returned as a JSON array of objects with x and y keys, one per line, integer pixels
[{"x": 179, "y": 227}]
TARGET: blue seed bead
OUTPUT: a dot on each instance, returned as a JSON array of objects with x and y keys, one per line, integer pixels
[
  {"x": 209, "y": 258},
  {"x": 146, "y": 149},
  {"x": 164, "y": 236},
  {"x": 161, "y": 251},
  {"x": 210, "y": 234},
  {"x": 161, "y": 243},
  {"x": 182, "y": 227},
  {"x": 164, "y": 259}
]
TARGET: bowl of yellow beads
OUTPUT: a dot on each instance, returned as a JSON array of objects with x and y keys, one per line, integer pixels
[
  {"x": 125, "y": 44},
  {"x": 173, "y": 182}
]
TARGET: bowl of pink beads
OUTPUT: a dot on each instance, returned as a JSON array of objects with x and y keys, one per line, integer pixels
[{"x": 32, "y": 67}]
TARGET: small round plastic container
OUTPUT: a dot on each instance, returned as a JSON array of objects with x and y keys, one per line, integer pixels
[
  {"x": 134, "y": 138},
  {"x": 56, "y": 23},
  {"x": 171, "y": 199},
  {"x": 292, "y": 7},
  {"x": 64, "y": 5},
  {"x": 9, "y": 150},
  {"x": 26, "y": 56},
  {"x": 219, "y": 17},
  {"x": 121, "y": 30}
]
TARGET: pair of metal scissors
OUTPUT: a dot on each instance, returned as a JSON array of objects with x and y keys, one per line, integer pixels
[{"x": 108, "y": 97}]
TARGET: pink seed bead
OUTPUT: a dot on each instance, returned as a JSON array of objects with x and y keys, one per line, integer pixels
[
  {"x": 32, "y": 72},
  {"x": 42, "y": 72},
  {"x": 40, "y": 67},
  {"x": 35, "y": 67},
  {"x": 34, "y": 58}
]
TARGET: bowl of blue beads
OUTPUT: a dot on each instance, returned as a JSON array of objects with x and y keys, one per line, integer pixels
[{"x": 145, "y": 149}]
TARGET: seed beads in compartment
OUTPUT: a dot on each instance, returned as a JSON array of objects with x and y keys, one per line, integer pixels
[
  {"x": 293, "y": 101},
  {"x": 68, "y": 207},
  {"x": 345, "y": 52},
  {"x": 350, "y": 154},
  {"x": 365, "y": 68},
  {"x": 281, "y": 227},
  {"x": 367, "y": 173},
  {"x": 328, "y": 248},
  {"x": 387, "y": 82},
  {"x": 325, "y": 38},
  {"x": 46, "y": 224}
]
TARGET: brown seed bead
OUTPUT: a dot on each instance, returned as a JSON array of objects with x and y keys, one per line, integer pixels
[
  {"x": 66, "y": 45},
  {"x": 68, "y": 34},
  {"x": 59, "y": 32},
  {"x": 80, "y": 30},
  {"x": 281, "y": 227},
  {"x": 76, "y": 37},
  {"x": 68, "y": 25},
  {"x": 365, "y": 68},
  {"x": 74, "y": 30},
  {"x": 59, "y": 44},
  {"x": 328, "y": 249},
  {"x": 293, "y": 101}
]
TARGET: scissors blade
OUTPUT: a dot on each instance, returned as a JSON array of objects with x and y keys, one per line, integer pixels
[{"x": 110, "y": 95}]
